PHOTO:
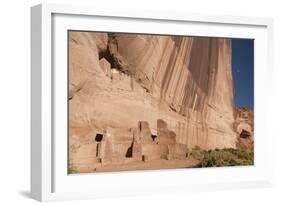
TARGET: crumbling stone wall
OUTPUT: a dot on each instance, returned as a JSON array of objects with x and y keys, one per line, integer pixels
[
  {"x": 141, "y": 145},
  {"x": 117, "y": 81}
]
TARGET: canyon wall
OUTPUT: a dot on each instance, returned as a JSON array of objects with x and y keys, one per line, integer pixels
[
  {"x": 119, "y": 80},
  {"x": 244, "y": 127}
]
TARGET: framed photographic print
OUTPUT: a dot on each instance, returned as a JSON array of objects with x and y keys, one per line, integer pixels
[{"x": 134, "y": 102}]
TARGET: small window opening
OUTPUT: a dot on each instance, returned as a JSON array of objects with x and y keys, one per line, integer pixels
[
  {"x": 154, "y": 137},
  {"x": 98, "y": 137}
]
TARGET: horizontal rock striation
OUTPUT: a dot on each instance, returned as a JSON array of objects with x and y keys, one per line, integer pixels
[{"x": 119, "y": 80}]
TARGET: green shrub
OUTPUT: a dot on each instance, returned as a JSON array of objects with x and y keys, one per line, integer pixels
[
  {"x": 71, "y": 171},
  {"x": 223, "y": 157},
  {"x": 197, "y": 153}
]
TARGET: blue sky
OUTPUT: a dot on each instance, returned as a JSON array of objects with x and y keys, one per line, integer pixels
[{"x": 243, "y": 72}]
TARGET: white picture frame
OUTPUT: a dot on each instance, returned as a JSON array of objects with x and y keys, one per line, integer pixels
[{"x": 49, "y": 179}]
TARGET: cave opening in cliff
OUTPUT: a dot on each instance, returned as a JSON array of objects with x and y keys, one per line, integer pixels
[
  {"x": 145, "y": 101},
  {"x": 153, "y": 137},
  {"x": 108, "y": 56},
  {"x": 98, "y": 137},
  {"x": 245, "y": 134}
]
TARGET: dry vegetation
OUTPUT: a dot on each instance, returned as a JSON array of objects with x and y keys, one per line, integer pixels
[{"x": 222, "y": 157}]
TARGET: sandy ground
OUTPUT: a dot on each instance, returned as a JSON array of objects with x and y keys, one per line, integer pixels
[{"x": 148, "y": 165}]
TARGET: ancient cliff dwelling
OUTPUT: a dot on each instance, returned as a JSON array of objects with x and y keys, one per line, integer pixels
[{"x": 144, "y": 101}]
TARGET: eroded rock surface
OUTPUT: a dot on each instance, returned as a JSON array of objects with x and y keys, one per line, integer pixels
[
  {"x": 149, "y": 96},
  {"x": 244, "y": 126}
]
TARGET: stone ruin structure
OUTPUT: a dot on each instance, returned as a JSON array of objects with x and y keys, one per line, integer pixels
[
  {"x": 139, "y": 144},
  {"x": 244, "y": 126},
  {"x": 141, "y": 97}
]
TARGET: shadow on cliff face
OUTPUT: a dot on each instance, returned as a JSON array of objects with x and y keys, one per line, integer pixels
[
  {"x": 183, "y": 94},
  {"x": 129, "y": 152},
  {"x": 244, "y": 141},
  {"x": 106, "y": 54},
  {"x": 245, "y": 134},
  {"x": 200, "y": 64},
  {"x": 112, "y": 55}
]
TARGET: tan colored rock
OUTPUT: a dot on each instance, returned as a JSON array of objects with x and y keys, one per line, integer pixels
[
  {"x": 105, "y": 152},
  {"x": 155, "y": 151},
  {"x": 164, "y": 135},
  {"x": 144, "y": 132},
  {"x": 184, "y": 81},
  {"x": 137, "y": 150},
  {"x": 106, "y": 67},
  {"x": 244, "y": 126},
  {"x": 178, "y": 151}
]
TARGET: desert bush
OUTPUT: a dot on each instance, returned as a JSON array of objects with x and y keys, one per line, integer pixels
[
  {"x": 71, "y": 171},
  {"x": 224, "y": 157},
  {"x": 197, "y": 153}
]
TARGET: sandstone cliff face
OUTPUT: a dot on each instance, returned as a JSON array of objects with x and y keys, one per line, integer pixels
[
  {"x": 244, "y": 127},
  {"x": 118, "y": 80}
]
